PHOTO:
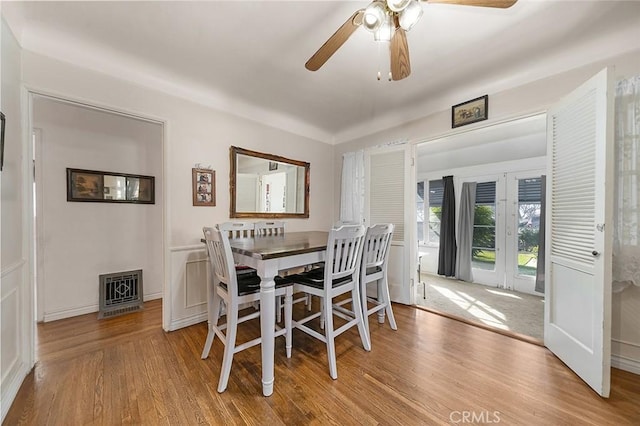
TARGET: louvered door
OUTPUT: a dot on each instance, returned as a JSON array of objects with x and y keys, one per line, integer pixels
[
  {"x": 385, "y": 202},
  {"x": 578, "y": 274}
]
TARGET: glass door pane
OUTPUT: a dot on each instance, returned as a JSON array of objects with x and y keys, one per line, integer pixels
[
  {"x": 484, "y": 227},
  {"x": 528, "y": 225}
]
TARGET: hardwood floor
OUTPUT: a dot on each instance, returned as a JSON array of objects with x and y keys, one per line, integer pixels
[{"x": 433, "y": 370}]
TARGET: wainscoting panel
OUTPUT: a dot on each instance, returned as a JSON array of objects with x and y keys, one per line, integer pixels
[
  {"x": 196, "y": 275},
  {"x": 188, "y": 275},
  {"x": 15, "y": 357}
]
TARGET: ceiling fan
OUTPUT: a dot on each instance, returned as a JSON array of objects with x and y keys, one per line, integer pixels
[{"x": 389, "y": 20}]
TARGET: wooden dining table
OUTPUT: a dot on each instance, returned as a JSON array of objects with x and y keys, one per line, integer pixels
[{"x": 268, "y": 255}]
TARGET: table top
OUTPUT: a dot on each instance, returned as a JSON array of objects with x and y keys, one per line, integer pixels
[{"x": 287, "y": 244}]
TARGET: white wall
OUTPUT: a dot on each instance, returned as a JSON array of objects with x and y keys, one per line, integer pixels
[
  {"x": 531, "y": 98},
  {"x": 193, "y": 134},
  {"x": 16, "y": 314},
  {"x": 80, "y": 240}
]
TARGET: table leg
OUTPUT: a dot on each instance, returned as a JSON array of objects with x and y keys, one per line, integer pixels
[{"x": 267, "y": 325}]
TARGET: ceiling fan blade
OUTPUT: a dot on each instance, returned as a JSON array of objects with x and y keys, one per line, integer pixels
[
  {"x": 502, "y": 4},
  {"x": 400, "y": 64},
  {"x": 335, "y": 41}
]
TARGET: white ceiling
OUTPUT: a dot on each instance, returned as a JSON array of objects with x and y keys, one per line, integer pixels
[{"x": 247, "y": 57}]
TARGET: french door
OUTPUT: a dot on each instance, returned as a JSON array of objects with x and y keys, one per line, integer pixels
[
  {"x": 506, "y": 230},
  {"x": 522, "y": 236},
  {"x": 488, "y": 249}
]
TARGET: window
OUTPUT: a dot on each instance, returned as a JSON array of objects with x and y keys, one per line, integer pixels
[
  {"x": 483, "y": 248},
  {"x": 429, "y": 208}
]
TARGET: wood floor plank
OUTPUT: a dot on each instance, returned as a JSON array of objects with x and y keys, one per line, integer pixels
[{"x": 432, "y": 369}]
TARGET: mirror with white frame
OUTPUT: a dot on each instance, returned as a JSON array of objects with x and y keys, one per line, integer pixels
[{"x": 267, "y": 186}]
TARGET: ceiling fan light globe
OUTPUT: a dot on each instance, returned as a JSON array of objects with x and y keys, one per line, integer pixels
[
  {"x": 374, "y": 16},
  {"x": 385, "y": 31},
  {"x": 397, "y": 5},
  {"x": 410, "y": 15}
]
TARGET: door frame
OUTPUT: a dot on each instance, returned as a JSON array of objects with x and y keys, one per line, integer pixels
[{"x": 29, "y": 93}]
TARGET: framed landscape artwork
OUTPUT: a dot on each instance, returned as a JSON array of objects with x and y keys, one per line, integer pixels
[{"x": 470, "y": 111}]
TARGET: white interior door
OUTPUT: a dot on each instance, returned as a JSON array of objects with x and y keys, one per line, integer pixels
[
  {"x": 577, "y": 323},
  {"x": 390, "y": 177}
]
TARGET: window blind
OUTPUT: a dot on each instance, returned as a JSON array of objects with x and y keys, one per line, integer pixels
[
  {"x": 486, "y": 193},
  {"x": 436, "y": 193},
  {"x": 529, "y": 190}
]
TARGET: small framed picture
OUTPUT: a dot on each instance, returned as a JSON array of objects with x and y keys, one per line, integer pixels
[
  {"x": 273, "y": 165},
  {"x": 204, "y": 187},
  {"x": 470, "y": 111}
]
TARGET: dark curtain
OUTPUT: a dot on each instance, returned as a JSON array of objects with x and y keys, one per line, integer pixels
[
  {"x": 447, "y": 253},
  {"x": 540, "y": 269}
]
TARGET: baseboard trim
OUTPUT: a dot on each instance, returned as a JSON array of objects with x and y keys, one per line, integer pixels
[
  {"x": 68, "y": 313},
  {"x": 153, "y": 296},
  {"x": 10, "y": 390},
  {"x": 626, "y": 364},
  {"x": 83, "y": 310},
  {"x": 186, "y": 322}
]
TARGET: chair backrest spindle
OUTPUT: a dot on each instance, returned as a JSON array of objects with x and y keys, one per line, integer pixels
[
  {"x": 237, "y": 229},
  {"x": 269, "y": 228}
]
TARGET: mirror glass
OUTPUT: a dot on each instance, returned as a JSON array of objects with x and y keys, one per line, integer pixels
[
  {"x": 268, "y": 186},
  {"x": 114, "y": 187}
]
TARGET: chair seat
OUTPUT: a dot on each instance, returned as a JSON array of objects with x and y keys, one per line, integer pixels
[
  {"x": 373, "y": 270},
  {"x": 251, "y": 284},
  {"x": 245, "y": 270},
  {"x": 315, "y": 278}
]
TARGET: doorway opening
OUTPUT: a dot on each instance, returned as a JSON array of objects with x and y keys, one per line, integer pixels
[
  {"x": 73, "y": 243},
  {"x": 505, "y": 229}
]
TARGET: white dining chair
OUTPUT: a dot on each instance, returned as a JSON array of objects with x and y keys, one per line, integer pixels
[
  {"x": 225, "y": 285},
  {"x": 373, "y": 268},
  {"x": 266, "y": 228},
  {"x": 340, "y": 275}
]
